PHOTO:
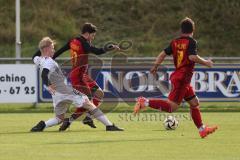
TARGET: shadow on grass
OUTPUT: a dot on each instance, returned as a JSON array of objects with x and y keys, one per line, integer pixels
[
  {"x": 162, "y": 130},
  {"x": 107, "y": 106},
  {"x": 112, "y": 141},
  {"x": 52, "y": 132}
]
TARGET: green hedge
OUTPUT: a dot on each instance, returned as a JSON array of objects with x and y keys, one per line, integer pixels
[{"x": 151, "y": 24}]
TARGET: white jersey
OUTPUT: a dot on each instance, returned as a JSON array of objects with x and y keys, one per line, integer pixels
[
  {"x": 64, "y": 94},
  {"x": 55, "y": 75}
]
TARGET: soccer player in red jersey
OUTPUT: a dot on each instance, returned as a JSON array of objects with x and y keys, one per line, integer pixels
[
  {"x": 184, "y": 53},
  {"x": 79, "y": 48}
]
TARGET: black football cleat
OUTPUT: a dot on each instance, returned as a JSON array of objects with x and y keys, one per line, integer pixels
[
  {"x": 88, "y": 121},
  {"x": 113, "y": 128},
  {"x": 39, "y": 127},
  {"x": 66, "y": 124}
]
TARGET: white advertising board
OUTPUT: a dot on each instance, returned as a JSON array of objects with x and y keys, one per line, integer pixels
[{"x": 18, "y": 83}]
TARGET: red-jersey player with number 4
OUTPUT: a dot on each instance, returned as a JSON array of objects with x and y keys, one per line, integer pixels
[{"x": 184, "y": 53}]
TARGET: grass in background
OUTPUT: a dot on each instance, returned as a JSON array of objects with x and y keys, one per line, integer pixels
[
  {"x": 118, "y": 107},
  {"x": 141, "y": 140},
  {"x": 150, "y": 24}
]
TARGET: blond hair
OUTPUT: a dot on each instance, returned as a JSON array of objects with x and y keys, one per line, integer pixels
[{"x": 45, "y": 42}]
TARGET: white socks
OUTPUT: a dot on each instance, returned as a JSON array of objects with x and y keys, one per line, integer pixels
[
  {"x": 52, "y": 122},
  {"x": 98, "y": 114},
  {"x": 104, "y": 120}
]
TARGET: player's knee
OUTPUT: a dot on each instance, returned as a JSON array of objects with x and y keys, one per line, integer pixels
[
  {"x": 99, "y": 93},
  {"x": 60, "y": 118},
  {"x": 194, "y": 102},
  {"x": 86, "y": 100},
  {"x": 89, "y": 106},
  {"x": 96, "y": 112},
  {"x": 174, "y": 106}
]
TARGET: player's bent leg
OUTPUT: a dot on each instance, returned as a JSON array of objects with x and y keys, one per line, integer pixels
[
  {"x": 68, "y": 121},
  {"x": 78, "y": 101},
  {"x": 49, "y": 123},
  {"x": 99, "y": 115},
  {"x": 173, "y": 108},
  {"x": 97, "y": 97},
  {"x": 78, "y": 112},
  {"x": 195, "y": 112},
  {"x": 174, "y": 99},
  {"x": 54, "y": 121},
  {"x": 94, "y": 94},
  {"x": 162, "y": 105},
  {"x": 204, "y": 130},
  {"x": 60, "y": 109}
]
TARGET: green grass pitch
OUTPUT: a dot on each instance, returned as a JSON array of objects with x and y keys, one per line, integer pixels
[{"x": 144, "y": 138}]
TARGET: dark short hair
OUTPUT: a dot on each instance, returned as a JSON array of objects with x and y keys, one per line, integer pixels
[
  {"x": 89, "y": 28},
  {"x": 187, "y": 25}
]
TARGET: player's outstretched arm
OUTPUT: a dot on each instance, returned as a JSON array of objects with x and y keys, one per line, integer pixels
[
  {"x": 158, "y": 62},
  {"x": 95, "y": 50},
  {"x": 61, "y": 50},
  {"x": 92, "y": 49},
  {"x": 200, "y": 60},
  {"x": 98, "y": 51}
]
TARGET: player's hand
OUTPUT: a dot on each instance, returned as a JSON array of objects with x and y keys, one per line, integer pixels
[
  {"x": 209, "y": 63},
  {"x": 111, "y": 46},
  {"x": 153, "y": 70},
  {"x": 51, "y": 89},
  {"x": 116, "y": 47}
]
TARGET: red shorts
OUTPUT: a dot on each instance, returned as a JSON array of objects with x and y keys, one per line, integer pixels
[
  {"x": 181, "y": 88},
  {"x": 83, "y": 83}
]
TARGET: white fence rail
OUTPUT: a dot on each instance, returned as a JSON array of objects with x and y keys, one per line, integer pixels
[{"x": 108, "y": 60}]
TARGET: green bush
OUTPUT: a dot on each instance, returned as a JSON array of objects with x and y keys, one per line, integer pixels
[{"x": 150, "y": 24}]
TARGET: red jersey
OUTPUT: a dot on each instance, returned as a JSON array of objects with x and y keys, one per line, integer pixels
[
  {"x": 79, "y": 48},
  {"x": 180, "y": 48},
  {"x": 79, "y": 58}
]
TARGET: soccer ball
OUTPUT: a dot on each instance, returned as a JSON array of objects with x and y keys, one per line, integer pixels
[{"x": 170, "y": 123}]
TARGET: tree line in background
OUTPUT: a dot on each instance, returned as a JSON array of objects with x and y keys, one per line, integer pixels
[{"x": 150, "y": 24}]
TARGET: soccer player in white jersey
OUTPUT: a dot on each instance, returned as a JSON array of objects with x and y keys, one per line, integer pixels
[{"x": 63, "y": 96}]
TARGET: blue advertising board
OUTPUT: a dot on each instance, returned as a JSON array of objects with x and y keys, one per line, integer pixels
[{"x": 126, "y": 83}]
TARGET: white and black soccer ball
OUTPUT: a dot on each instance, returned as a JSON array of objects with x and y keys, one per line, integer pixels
[{"x": 170, "y": 123}]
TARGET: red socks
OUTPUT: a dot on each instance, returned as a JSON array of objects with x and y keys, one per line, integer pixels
[
  {"x": 165, "y": 106},
  {"x": 78, "y": 112},
  {"x": 196, "y": 116},
  {"x": 160, "y": 105}
]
